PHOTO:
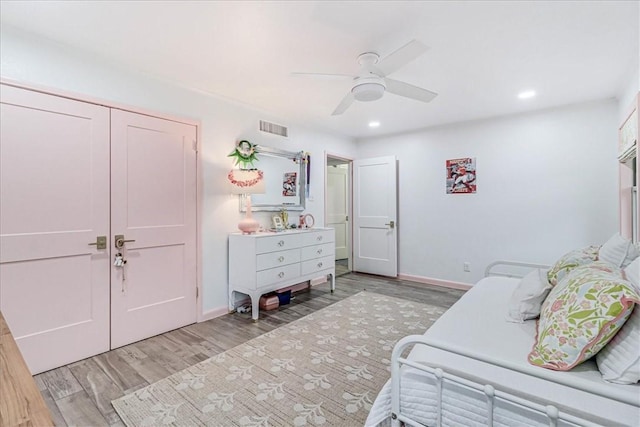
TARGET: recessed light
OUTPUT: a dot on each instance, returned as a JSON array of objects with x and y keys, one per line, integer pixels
[
  {"x": 374, "y": 124},
  {"x": 527, "y": 94}
]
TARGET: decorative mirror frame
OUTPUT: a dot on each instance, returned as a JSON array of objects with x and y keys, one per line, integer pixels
[{"x": 297, "y": 157}]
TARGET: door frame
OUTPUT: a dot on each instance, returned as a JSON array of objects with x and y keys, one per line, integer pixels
[
  {"x": 199, "y": 172},
  {"x": 349, "y": 162}
]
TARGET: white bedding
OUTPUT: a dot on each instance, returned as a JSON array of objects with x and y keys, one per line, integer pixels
[{"x": 491, "y": 335}]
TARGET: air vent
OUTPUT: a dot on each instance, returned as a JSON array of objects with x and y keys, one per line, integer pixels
[{"x": 274, "y": 128}]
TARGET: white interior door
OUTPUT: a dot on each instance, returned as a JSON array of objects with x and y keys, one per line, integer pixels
[
  {"x": 375, "y": 206},
  {"x": 54, "y": 189},
  {"x": 338, "y": 207},
  {"x": 153, "y": 204}
]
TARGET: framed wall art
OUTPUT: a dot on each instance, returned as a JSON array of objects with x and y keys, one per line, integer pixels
[
  {"x": 289, "y": 184},
  {"x": 461, "y": 176}
]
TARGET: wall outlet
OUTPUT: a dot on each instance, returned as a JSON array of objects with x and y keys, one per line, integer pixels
[{"x": 467, "y": 266}]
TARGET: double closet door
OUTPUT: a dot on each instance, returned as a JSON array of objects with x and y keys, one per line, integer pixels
[{"x": 73, "y": 174}]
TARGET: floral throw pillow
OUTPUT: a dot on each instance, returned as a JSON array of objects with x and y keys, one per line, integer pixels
[
  {"x": 581, "y": 314},
  {"x": 571, "y": 260},
  {"x": 619, "y": 360}
]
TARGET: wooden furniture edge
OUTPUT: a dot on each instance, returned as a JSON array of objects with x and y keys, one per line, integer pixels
[{"x": 21, "y": 403}]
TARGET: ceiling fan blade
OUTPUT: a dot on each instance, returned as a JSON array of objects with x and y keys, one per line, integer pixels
[
  {"x": 409, "y": 91},
  {"x": 344, "y": 104},
  {"x": 401, "y": 57},
  {"x": 326, "y": 75}
]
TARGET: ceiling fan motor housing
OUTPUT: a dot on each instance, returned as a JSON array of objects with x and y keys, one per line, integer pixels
[
  {"x": 372, "y": 82},
  {"x": 368, "y": 88}
]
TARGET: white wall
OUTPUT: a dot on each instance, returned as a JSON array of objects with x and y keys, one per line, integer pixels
[
  {"x": 627, "y": 94},
  {"x": 547, "y": 183},
  {"x": 36, "y": 61}
]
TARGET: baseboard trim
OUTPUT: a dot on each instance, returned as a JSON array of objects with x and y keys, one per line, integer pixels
[
  {"x": 318, "y": 280},
  {"x": 435, "y": 282},
  {"x": 221, "y": 311},
  {"x": 212, "y": 314}
]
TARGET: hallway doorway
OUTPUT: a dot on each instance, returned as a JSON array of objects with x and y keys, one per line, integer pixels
[{"x": 338, "y": 208}]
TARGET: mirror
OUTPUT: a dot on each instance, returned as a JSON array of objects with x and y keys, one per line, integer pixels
[{"x": 285, "y": 181}]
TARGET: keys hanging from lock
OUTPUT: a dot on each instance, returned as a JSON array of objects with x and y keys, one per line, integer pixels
[{"x": 119, "y": 260}]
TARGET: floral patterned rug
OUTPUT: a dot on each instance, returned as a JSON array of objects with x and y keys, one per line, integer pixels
[{"x": 322, "y": 370}]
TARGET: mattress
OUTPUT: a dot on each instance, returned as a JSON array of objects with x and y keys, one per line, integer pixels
[{"x": 485, "y": 332}]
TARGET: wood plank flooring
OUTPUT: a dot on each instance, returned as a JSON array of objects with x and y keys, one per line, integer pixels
[{"x": 80, "y": 394}]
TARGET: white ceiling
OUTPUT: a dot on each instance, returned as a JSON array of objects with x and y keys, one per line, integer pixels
[{"x": 481, "y": 53}]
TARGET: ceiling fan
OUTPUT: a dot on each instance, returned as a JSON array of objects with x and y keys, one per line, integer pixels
[{"x": 372, "y": 81}]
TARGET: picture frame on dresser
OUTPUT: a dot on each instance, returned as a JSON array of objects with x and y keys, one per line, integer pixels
[{"x": 277, "y": 223}]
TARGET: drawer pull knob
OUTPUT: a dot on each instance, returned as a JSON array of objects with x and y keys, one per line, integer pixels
[
  {"x": 281, "y": 259},
  {"x": 319, "y": 251},
  {"x": 281, "y": 243},
  {"x": 319, "y": 265},
  {"x": 281, "y": 274},
  {"x": 319, "y": 238}
]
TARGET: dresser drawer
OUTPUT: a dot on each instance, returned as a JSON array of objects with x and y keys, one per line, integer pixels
[
  {"x": 278, "y": 243},
  {"x": 317, "y": 251},
  {"x": 317, "y": 237},
  {"x": 276, "y": 259},
  {"x": 318, "y": 264},
  {"x": 278, "y": 274}
]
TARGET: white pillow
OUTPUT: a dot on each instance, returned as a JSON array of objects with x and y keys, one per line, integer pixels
[
  {"x": 632, "y": 272},
  {"x": 618, "y": 251},
  {"x": 526, "y": 300},
  {"x": 619, "y": 360}
]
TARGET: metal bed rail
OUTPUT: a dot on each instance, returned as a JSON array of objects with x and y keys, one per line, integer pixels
[
  {"x": 490, "y": 270},
  {"x": 553, "y": 414}
]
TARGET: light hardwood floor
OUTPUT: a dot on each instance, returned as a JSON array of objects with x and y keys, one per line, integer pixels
[{"x": 81, "y": 393}]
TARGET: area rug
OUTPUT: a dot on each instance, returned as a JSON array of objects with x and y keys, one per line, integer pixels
[{"x": 324, "y": 369}]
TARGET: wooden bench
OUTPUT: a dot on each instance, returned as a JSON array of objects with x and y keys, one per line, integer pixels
[{"x": 21, "y": 403}]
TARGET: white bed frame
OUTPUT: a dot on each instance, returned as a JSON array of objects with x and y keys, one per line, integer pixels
[{"x": 553, "y": 414}]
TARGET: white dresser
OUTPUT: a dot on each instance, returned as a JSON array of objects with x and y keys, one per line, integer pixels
[{"x": 264, "y": 262}]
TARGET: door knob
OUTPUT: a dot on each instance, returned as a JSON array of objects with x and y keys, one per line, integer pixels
[
  {"x": 119, "y": 241},
  {"x": 391, "y": 224},
  {"x": 100, "y": 243}
]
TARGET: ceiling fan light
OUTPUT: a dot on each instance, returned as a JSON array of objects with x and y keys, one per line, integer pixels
[{"x": 368, "y": 91}]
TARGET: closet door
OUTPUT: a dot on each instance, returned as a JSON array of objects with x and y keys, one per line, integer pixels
[
  {"x": 54, "y": 189},
  {"x": 153, "y": 205},
  {"x": 375, "y": 212}
]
